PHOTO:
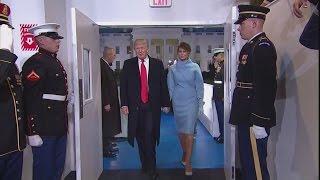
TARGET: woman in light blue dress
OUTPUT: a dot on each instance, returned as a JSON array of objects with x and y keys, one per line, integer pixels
[{"x": 185, "y": 85}]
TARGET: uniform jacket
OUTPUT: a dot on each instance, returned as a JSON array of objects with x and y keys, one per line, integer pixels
[
  {"x": 11, "y": 111},
  {"x": 130, "y": 93},
  {"x": 111, "y": 121},
  {"x": 254, "y": 104},
  {"x": 43, "y": 74},
  {"x": 218, "y": 91}
]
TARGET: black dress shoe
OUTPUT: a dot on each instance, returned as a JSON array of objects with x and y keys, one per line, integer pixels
[{"x": 154, "y": 176}]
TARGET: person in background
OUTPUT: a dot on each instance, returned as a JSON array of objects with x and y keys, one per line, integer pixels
[
  {"x": 310, "y": 35},
  {"x": 218, "y": 92},
  {"x": 111, "y": 120},
  {"x": 252, "y": 111},
  {"x": 143, "y": 93},
  {"x": 186, "y": 91},
  {"x": 45, "y": 100},
  {"x": 170, "y": 63},
  {"x": 13, "y": 138}
]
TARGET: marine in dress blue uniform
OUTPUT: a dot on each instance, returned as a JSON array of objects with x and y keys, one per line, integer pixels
[
  {"x": 45, "y": 98},
  {"x": 253, "y": 110},
  {"x": 12, "y": 139},
  {"x": 218, "y": 92}
]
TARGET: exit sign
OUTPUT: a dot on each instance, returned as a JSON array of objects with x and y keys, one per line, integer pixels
[{"x": 160, "y": 3}]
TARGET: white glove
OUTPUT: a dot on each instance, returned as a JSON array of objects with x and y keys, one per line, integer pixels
[
  {"x": 6, "y": 37},
  {"x": 35, "y": 140},
  {"x": 259, "y": 132},
  {"x": 166, "y": 109}
]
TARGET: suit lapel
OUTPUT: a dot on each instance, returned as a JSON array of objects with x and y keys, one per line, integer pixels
[
  {"x": 151, "y": 70},
  {"x": 136, "y": 71}
]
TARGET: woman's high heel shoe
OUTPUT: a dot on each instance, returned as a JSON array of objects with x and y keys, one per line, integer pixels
[{"x": 188, "y": 170}]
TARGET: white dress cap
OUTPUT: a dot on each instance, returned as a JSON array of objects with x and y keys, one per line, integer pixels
[
  {"x": 48, "y": 27},
  {"x": 218, "y": 50}
]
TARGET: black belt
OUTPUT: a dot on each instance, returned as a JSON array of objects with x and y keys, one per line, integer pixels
[{"x": 245, "y": 85}]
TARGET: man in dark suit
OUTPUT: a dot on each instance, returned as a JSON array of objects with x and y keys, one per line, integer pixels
[
  {"x": 111, "y": 121},
  {"x": 143, "y": 92},
  {"x": 253, "y": 110}
]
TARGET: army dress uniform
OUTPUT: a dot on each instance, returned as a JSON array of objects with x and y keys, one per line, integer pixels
[
  {"x": 12, "y": 139},
  {"x": 254, "y": 97}
]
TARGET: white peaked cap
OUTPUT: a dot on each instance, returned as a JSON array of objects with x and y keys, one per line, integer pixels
[
  {"x": 43, "y": 28},
  {"x": 218, "y": 50}
]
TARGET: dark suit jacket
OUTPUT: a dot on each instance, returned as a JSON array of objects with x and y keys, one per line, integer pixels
[
  {"x": 130, "y": 94},
  {"x": 111, "y": 121}
]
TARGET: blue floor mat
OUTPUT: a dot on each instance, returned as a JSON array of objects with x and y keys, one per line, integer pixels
[{"x": 206, "y": 152}]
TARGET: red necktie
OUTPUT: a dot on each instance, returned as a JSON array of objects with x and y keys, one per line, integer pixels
[{"x": 144, "y": 83}]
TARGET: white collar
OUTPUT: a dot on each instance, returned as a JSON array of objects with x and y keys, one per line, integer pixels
[{"x": 255, "y": 36}]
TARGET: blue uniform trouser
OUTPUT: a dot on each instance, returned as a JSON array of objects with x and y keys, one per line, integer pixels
[
  {"x": 246, "y": 155},
  {"x": 49, "y": 158},
  {"x": 220, "y": 113},
  {"x": 11, "y": 166}
]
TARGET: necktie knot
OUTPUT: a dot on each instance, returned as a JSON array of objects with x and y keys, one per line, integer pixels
[{"x": 142, "y": 60}]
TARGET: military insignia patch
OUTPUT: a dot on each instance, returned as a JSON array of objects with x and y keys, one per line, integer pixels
[
  {"x": 244, "y": 59},
  {"x": 33, "y": 76}
]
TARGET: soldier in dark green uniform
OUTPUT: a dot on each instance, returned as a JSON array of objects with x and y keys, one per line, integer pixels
[
  {"x": 253, "y": 110},
  {"x": 218, "y": 90},
  {"x": 12, "y": 139}
]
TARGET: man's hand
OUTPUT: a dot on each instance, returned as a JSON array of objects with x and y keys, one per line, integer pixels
[
  {"x": 259, "y": 132},
  {"x": 107, "y": 107},
  {"x": 125, "y": 110},
  {"x": 166, "y": 109},
  {"x": 35, "y": 140},
  {"x": 296, "y": 7}
]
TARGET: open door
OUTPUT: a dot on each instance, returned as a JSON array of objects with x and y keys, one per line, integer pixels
[
  {"x": 87, "y": 93},
  {"x": 232, "y": 47}
]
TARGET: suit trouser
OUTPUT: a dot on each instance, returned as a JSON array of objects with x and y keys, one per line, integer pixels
[
  {"x": 49, "y": 158},
  {"x": 145, "y": 139},
  {"x": 220, "y": 113},
  {"x": 246, "y": 153},
  {"x": 11, "y": 166}
]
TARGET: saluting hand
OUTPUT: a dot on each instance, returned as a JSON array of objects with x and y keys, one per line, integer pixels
[
  {"x": 125, "y": 110},
  {"x": 296, "y": 7}
]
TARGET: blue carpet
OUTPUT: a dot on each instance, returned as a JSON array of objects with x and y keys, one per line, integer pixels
[{"x": 206, "y": 152}]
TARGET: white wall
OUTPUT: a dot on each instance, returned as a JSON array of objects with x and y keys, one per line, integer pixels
[
  {"x": 138, "y": 12},
  {"x": 294, "y": 142}
]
